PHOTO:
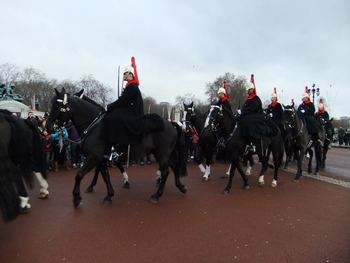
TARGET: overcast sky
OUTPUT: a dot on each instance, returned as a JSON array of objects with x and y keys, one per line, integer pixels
[{"x": 180, "y": 46}]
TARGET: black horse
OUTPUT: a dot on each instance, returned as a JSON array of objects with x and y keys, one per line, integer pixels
[
  {"x": 208, "y": 140},
  {"x": 165, "y": 144},
  {"x": 23, "y": 148},
  {"x": 300, "y": 139},
  {"x": 9, "y": 174},
  {"x": 236, "y": 145}
]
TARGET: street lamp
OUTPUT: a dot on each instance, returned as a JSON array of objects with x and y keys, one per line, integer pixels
[{"x": 313, "y": 91}]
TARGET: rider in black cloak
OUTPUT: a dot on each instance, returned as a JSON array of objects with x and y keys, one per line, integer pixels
[
  {"x": 307, "y": 109},
  {"x": 225, "y": 104},
  {"x": 275, "y": 111},
  {"x": 123, "y": 123},
  {"x": 252, "y": 121}
]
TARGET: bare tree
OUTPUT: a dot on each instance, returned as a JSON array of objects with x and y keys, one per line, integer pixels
[
  {"x": 235, "y": 86},
  {"x": 9, "y": 73},
  {"x": 95, "y": 90}
]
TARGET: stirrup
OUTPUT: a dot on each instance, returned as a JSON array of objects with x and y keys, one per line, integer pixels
[
  {"x": 114, "y": 155},
  {"x": 249, "y": 148},
  {"x": 309, "y": 144}
]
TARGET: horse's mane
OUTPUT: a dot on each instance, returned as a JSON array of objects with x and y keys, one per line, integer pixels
[{"x": 86, "y": 98}]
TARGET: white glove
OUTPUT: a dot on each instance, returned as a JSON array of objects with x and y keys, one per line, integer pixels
[
  {"x": 270, "y": 115},
  {"x": 302, "y": 111},
  {"x": 239, "y": 112}
]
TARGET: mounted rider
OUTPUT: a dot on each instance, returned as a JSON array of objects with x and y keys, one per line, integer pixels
[
  {"x": 322, "y": 115},
  {"x": 307, "y": 111},
  {"x": 224, "y": 103},
  {"x": 275, "y": 111},
  {"x": 123, "y": 123},
  {"x": 252, "y": 121}
]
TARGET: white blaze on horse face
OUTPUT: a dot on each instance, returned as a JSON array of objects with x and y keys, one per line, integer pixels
[
  {"x": 184, "y": 125},
  {"x": 207, "y": 119}
]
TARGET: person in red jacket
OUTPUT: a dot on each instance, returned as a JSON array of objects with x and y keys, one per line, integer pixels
[{"x": 46, "y": 140}]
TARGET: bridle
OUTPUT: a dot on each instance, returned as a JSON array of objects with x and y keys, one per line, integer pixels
[
  {"x": 288, "y": 124},
  {"x": 65, "y": 109}
]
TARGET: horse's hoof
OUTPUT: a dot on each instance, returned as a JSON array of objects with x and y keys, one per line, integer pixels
[
  {"x": 43, "y": 196},
  {"x": 153, "y": 200},
  {"x": 247, "y": 173},
  {"x": 225, "y": 192},
  {"x": 77, "y": 201},
  {"x": 317, "y": 173},
  {"x": 204, "y": 179},
  {"x": 261, "y": 184},
  {"x": 225, "y": 176},
  {"x": 183, "y": 189},
  {"x": 296, "y": 180},
  {"x": 274, "y": 185},
  {"x": 126, "y": 185},
  {"x": 24, "y": 210},
  {"x": 246, "y": 187},
  {"x": 106, "y": 202},
  {"x": 89, "y": 190}
]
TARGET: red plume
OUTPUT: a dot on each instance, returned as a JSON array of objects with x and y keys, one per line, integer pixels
[
  {"x": 292, "y": 101},
  {"x": 275, "y": 91},
  {"x": 321, "y": 100},
  {"x": 253, "y": 81},
  {"x": 225, "y": 87},
  {"x": 306, "y": 90},
  {"x": 133, "y": 64}
]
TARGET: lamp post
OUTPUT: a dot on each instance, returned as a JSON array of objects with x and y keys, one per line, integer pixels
[{"x": 313, "y": 91}]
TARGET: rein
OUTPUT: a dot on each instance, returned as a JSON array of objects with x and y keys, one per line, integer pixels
[{"x": 90, "y": 127}]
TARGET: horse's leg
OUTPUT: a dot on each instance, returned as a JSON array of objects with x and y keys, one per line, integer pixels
[
  {"x": 90, "y": 188},
  {"x": 264, "y": 167},
  {"x": 208, "y": 157},
  {"x": 106, "y": 178},
  {"x": 229, "y": 183},
  {"x": 24, "y": 206},
  {"x": 288, "y": 151},
  {"x": 299, "y": 154},
  {"x": 277, "y": 160},
  {"x": 158, "y": 177},
  {"x": 249, "y": 165},
  {"x": 89, "y": 164},
  {"x": 227, "y": 174},
  {"x": 164, "y": 170},
  {"x": 44, "y": 193},
  {"x": 318, "y": 151},
  {"x": 199, "y": 160},
  {"x": 126, "y": 183},
  {"x": 244, "y": 177},
  {"x": 309, "y": 166},
  {"x": 324, "y": 155}
]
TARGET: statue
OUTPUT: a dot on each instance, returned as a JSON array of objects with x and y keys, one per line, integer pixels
[{"x": 8, "y": 94}]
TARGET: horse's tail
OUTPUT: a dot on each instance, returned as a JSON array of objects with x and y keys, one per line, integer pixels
[
  {"x": 179, "y": 155},
  {"x": 9, "y": 199},
  {"x": 20, "y": 149},
  {"x": 37, "y": 160}
]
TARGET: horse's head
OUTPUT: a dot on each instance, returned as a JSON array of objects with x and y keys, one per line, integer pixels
[
  {"x": 288, "y": 115},
  {"x": 60, "y": 111},
  {"x": 188, "y": 117},
  {"x": 329, "y": 129},
  {"x": 214, "y": 116}
]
